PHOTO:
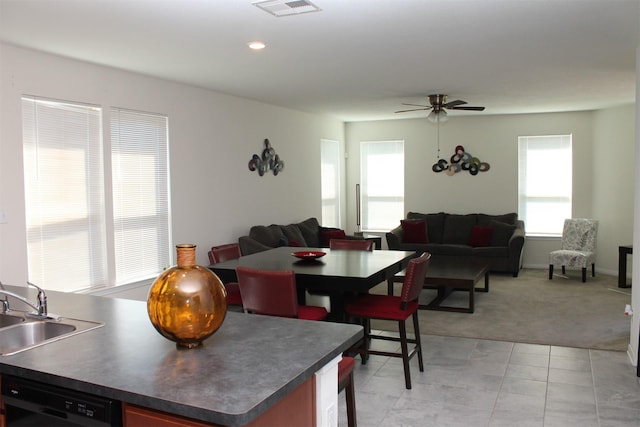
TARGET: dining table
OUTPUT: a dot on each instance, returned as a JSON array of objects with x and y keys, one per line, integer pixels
[{"x": 336, "y": 273}]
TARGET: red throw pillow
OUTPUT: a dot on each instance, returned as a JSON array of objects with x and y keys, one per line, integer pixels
[
  {"x": 294, "y": 243},
  {"x": 480, "y": 236},
  {"x": 326, "y": 235},
  {"x": 414, "y": 231}
]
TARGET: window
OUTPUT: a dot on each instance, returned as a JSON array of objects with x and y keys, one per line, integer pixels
[
  {"x": 382, "y": 184},
  {"x": 71, "y": 241},
  {"x": 64, "y": 194},
  {"x": 330, "y": 180},
  {"x": 544, "y": 183},
  {"x": 140, "y": 177}
]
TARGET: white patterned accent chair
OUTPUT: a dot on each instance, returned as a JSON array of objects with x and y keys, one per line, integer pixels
[{"x": 578, "y": 248}]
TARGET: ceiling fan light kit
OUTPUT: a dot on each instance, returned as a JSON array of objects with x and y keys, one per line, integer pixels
[{"x": 440, "y": 116}]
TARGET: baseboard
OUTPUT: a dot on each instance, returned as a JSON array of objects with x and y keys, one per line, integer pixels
[{"x": 598, "y": 270}]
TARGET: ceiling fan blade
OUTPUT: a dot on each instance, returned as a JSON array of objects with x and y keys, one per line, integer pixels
[
  {"x": 454, "y": 104},
  {"x": 468, "y": 108},
  {"x": 416, "y": 105},
  {"x": 415, "y": 109}
]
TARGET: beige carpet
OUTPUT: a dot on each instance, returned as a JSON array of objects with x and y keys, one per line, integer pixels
[{"x": 533, "y": 309}]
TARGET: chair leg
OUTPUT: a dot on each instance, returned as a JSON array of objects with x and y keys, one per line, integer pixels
[
  {"x": 550, "y": 271},
  {"x": 367, "y": 340},
  {"x": 564, "y": 271},
  {"x": 593, "y": 270},
  {"x": 416, "y": 328},
  {"x": 584, "y": 274},
  {"x": 350, "y": 396},
  {"x": 402, "y": 327}
]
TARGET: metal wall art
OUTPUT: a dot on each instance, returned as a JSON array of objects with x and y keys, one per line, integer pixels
[
  {"x": 269, "y": 161},
  {"x": 461, "y": 161}
]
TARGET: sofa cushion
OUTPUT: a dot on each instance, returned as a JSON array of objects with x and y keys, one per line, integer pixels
[
  {"x": 480, "y": 236},
  {"x": 309, "y": 229},
  {"x": 327, "y": 234},
  {"x": 435, "y": 224},
  {"x": 485, "y": 220},
  {"x": 271, "y": 236},
  {"x": 414, "y": 231},
  {"x": 293, "y": 234},
  {"x": 501, "y": 233},
  {"x": 457, "y": 228}
]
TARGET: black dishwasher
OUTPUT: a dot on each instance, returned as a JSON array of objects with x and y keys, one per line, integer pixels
[{"x": 30, "y": 403}]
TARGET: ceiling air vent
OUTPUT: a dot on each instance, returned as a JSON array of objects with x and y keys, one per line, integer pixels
[{"x": 287, "y": 7}]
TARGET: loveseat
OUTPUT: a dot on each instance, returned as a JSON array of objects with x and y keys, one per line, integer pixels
[
  {"x": 496, "y": 240},
  {"x": 308, "y": 233}
]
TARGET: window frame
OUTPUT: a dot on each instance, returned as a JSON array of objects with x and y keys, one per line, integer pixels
[
  {"x": 547, "y": 183},
  {"x": 144, "y": 139},
  {"x": 70, "y": 181},
  {"x": 375, "y": 156},
  {"x": 330, "y": 182}
]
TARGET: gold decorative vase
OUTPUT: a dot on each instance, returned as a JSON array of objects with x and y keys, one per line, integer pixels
[{"x": 187, "y": 303}]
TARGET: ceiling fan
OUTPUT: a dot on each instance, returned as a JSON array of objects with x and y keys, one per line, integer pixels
[{"x": 438, "y": 107}]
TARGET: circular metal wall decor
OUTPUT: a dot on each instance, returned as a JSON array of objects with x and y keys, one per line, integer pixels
[
  {"x": 268, "y": 161},
  {"x": 461, "y": 161}
]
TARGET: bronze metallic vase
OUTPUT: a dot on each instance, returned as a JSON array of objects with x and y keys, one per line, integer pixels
[{"x": 187, "y": 303}]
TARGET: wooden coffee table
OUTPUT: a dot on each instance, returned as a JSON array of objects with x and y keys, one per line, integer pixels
[{"x": 448, "y": 274}]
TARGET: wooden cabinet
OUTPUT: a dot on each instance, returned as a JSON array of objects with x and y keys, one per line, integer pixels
[
  {"x": 135, "y": 416},
  {"x": 295, "y": 409}
]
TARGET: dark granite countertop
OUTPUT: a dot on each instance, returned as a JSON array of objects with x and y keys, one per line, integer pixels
[{"x": 247, "y": 366}]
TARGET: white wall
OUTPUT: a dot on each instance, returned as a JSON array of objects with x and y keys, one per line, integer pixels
[
  {"x": 215, "y": 198},
  {"x": 613, "y": 185},
  {"x": 494, "y": 139}
]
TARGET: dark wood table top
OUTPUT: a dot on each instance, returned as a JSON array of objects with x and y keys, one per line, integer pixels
[
  {"x": 337, "y": 270},
  {"x": 458, "y": 269},
  {"x": 443, "y": 269}
]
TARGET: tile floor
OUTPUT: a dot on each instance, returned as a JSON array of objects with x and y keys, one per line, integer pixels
[{"x": 470, "y": 382}]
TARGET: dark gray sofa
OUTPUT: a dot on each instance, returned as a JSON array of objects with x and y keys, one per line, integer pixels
[
  {"x": 449, "y": 235},
  {"x": 308, "y": 233}
]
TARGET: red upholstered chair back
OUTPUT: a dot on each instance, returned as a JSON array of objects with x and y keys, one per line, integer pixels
[
  {"x": 354, "y": 245},
  {"x": 414, "y": 279},
  {"x": 268, "y": 292},
  {"x": 224, "y": 253}
]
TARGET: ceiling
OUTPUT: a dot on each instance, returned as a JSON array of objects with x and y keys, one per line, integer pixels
[{"x": 358, "y": 59}]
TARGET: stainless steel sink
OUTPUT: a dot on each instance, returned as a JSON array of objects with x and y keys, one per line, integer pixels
[
  {"x": 9, "y": 319},
  {"x": 28, "y": 333}
]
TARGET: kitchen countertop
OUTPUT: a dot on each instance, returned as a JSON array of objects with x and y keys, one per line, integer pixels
[{"x": 243, "y": 369}]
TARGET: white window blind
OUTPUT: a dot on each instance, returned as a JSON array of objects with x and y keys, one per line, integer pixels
[
  {"x": 330, "y": 178},
  {"x": 140, "y": 176},
  {"x": 544, "y": 183},
  {"x": 381, "y": 184},
  {"x": 64, "y": 194}
]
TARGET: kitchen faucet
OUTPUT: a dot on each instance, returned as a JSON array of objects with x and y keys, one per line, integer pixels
[{"x": 40, "y": 306}]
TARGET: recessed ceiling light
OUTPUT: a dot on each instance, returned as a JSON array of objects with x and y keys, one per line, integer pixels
[{"x": 257, "y": 45}]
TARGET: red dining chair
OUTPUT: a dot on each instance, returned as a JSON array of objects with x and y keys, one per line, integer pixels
[
  {"x": 273, "y": 293},
  {"x": 225, "y": 253},
  {"x": 346, "y": 383},
  {"x": 354, "y": 245},
  {"x": 394, "y": 308}
]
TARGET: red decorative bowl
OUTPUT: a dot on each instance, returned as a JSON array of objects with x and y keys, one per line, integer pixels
[{"x": 309, "y": 254}]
